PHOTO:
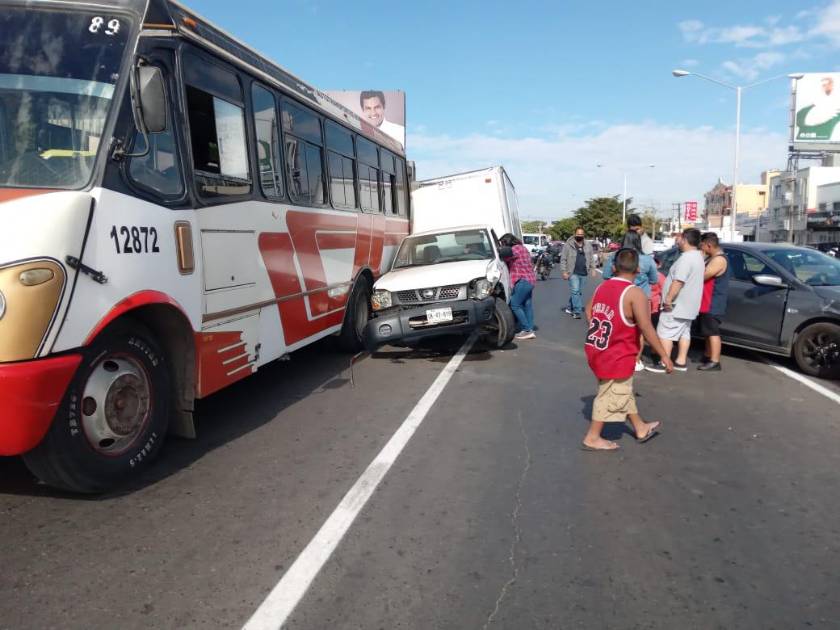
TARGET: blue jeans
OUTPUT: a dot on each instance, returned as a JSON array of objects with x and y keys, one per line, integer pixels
[
  {"x": 576, "y": 283},
  {"x": 522, "y": 305}
]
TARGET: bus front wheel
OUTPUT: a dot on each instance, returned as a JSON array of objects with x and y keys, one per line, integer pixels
[
  {"x": 351, "y": 338},
  {"x": 113, "y": 419}
]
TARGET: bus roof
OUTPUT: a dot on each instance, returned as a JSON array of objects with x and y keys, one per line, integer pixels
[{"x": 171, "y": 15}]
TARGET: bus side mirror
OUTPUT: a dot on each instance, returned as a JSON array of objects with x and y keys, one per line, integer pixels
[{"x": 152, "y": 98}]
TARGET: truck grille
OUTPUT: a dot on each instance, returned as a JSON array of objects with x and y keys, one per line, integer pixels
[{"x": 451, "y": 292}]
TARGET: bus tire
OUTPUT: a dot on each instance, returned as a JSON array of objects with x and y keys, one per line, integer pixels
[
  {"x": 351, "y": 338},
  {"x": 114, "y": 416}
]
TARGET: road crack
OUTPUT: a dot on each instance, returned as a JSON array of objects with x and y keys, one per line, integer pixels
[{"x": 517, "y": 531}]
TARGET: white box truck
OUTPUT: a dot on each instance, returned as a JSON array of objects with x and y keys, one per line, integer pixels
[{"x": 484, "y": 197}]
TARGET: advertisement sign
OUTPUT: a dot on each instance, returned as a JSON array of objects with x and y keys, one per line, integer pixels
[
  {"x": 690, "y": 211},
  {"x": 816, "y": 121},
  {"x": 384, "y": 110}
]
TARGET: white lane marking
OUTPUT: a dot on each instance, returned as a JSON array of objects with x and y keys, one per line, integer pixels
[
  {"x": 825, "y": 391},
  {"x": 285, "y": 596}
]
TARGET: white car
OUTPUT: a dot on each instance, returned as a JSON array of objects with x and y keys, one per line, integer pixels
[{"x": 443, "y": 282}]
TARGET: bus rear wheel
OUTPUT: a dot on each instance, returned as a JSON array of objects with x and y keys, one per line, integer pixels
[{"x": 113, "y": 419}]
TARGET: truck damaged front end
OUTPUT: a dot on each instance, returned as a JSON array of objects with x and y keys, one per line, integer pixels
[{"x": 442, "y": 283}]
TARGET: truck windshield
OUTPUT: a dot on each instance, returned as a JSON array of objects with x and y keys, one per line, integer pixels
[
  {"x": 58, "y": 70},
  {"x": 430, "y": 249},
  {"x": 811, "y": 267}
]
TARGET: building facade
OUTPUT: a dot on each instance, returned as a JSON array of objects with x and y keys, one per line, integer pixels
[
  {"x": 752, "y": 200},
  {"x": 802, "y": 207}
]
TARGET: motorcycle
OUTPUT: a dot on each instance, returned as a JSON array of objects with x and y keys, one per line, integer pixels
[{"x": 543, "y": 263}]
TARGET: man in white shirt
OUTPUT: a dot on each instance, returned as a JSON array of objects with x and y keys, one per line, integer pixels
[
  {"x": 681, "y": 297},
  {"x": 372, "y": 103}
]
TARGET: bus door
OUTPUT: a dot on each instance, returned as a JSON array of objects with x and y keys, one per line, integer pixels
[{"x": 227, "y": 219}]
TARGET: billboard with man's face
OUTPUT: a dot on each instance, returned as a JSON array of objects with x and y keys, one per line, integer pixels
[
  {"x": 380, "y": 109},
  {"x": 817, "y": 111}
]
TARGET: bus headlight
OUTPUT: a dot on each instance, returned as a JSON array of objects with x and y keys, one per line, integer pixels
[
  {"x": 381, "y": 300},
  {"x": 29, "y": 297}
]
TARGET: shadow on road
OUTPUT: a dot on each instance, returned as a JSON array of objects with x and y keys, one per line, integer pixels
[
  {"x": 438, "y": 350},
  {"x": 612, "y": 430},
  {"x": 220, "y": 418}
]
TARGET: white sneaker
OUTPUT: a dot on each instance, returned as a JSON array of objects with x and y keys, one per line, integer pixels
[
  {"x": 525, "y": 334},
  {"x": 640, "y": 367}
]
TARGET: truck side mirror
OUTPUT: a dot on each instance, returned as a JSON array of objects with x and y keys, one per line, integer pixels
[{"x": 152, "y": 98}]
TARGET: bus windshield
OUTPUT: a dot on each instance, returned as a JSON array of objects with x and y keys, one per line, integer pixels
[{"x": 58, "y": 70}]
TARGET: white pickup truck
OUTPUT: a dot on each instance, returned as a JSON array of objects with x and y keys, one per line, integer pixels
[{"x": 443, "y": 282}]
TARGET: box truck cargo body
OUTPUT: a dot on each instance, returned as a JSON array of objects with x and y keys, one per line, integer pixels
[{"x": 485, "y": 197}]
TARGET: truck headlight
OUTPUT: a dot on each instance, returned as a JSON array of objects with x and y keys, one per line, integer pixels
[
  {"x": 380, "y": 300},
  {"x": 480, "y": 288}
]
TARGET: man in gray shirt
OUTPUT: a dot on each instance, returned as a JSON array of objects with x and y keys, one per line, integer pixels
[{"x": 681, "y": 298}]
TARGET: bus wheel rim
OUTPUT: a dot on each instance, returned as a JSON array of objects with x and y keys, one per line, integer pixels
[{"x": 116, "y": 404}]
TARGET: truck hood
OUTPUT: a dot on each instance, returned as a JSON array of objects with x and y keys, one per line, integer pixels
[{"x": 439, "y": 275}]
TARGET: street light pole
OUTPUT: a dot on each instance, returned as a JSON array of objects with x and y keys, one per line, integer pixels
[
  {"x": 738, "y": 89},
  {"x": 624, "y": 200},
  {"x": 626, "y": 176},
  {"x": 737, "y": 158}
]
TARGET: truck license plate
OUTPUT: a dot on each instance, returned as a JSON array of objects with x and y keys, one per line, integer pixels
[{"x": 438, "y": 315}]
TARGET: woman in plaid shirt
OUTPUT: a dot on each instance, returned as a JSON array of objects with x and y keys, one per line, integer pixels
[{"x": 522, "y": 279}]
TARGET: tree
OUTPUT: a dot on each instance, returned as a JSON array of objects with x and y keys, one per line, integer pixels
[
  {"x": 651, "y": 223},
  {"x": 562, "y": 229},
  {"x": 601, "y": 217},
  {"x": 531, "y": 227}
]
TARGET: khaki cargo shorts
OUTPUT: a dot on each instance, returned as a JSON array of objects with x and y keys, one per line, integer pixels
[{"x": 614, "y": 400}]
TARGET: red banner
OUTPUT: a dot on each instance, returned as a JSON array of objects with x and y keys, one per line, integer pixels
[{"x": 690, "y": 211}]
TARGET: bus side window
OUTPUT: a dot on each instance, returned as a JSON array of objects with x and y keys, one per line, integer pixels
[
  {"x": 268, "y": 142},
  {"x": 368, "y": 174},
  {"x": 389, "y": 181},
  {"x": 217, "y": 128},
  {"x": 340, "y": 166},
  {"x": 401, "y": 188},
  {"x": 304, "y": 155},
  {"x": 159, "y": 170}
]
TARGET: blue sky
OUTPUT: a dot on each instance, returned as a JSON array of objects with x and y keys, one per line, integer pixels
[{"x": 552, "y": 89}]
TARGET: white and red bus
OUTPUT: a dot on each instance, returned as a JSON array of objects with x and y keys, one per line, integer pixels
[{"x": 176, "y": 211}]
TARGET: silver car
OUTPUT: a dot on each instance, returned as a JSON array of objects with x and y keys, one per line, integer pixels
[{"x": 782, "y": 299}]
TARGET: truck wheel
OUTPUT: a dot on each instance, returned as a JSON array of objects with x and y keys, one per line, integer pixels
[
  {"x": 351, "y": 338},
  {"x": 500, "y": 332},
  {"x": 113, "y": 419},
  {"x": 817, "y": 350}
]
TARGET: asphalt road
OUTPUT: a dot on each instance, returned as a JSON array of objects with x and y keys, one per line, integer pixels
[{"x": 492, "y": 517}]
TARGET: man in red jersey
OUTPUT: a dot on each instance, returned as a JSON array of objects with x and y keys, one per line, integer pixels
[{"x": 617, "y": 313}]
